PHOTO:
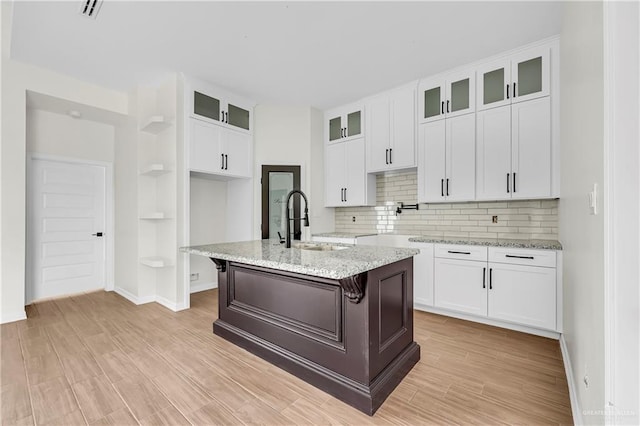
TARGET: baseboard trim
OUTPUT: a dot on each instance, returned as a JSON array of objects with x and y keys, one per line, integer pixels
[
  {"x": 167, "y": 303},
  {"x": 468, "y": 317},
  {"x": 573, "y": 394},
  {"x": 197, "y": 288},
  {"x": 132, "y": 297},
  {"x": 13, "y": 316}
]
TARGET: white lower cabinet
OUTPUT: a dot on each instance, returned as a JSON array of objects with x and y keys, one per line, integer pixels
[
  {"x": 518, "y": 286},
  {"x": 523, "y": 294},
  {"x": 460, "y": 285},
  {"x": 422, "y": 275}
]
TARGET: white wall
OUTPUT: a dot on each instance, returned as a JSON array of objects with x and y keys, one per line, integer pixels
[
  {"x": 622, "y": 59},
  {"x": 581, "y": 233},
  {"x": 208, "y": 213},
  {"x": 61, "y": 135},
  {"x": 285, "y": 135},
  {"x": 17, "y": 78}
]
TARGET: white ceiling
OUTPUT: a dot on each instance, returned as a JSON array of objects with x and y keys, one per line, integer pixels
[{"x": 300, "y": 53}]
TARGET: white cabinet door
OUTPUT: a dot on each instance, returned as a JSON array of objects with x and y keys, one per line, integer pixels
[
  {"x": 530, "y": 74},
  {"x": 494, "y": 84},
  {"x": 355, "y": 193},
  {"x": 461, "y": 93},
  {"x": 523, "y": 295},
  {"x": 334, "y": 175},
  {"x": 236, "y": 148},
  {"x": 432, "y": 156},
  {"x": 460, "y": 155},
  {"x": 493, "y": 156},
  {"x": 460, "y": 285},
  {"x": 378, "y": 133},
  {"x": 204, "y": 147},
  {"x": 403, "y": 128},
  {"x": 344, "y": 123},
  {"x": 423, "y": 274},
  {"x": 431, "y": 100},
  {"x": 531, "y": 149}
]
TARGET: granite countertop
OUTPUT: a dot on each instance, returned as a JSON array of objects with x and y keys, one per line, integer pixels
[
  {"x": 336, "y": 264},
  {"x": 343, "y": 234},
  {"x": 493, "y": 242}
]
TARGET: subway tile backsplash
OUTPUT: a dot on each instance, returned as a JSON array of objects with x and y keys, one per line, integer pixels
[{"x": 527, "y": 219}]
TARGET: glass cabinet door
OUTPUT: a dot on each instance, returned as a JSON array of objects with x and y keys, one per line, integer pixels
[
  {"x": 530, "y": 74},
  {"x": 433, "y": 103},
  {"x": 238, "y": 117},
  {"x": 354, "y": 123},
  {"x": 206, "y": 106},
  {"x": 494, "y": 85},
  {"x": 461, "y": 90},
  {"x": 335, "y": 128}
]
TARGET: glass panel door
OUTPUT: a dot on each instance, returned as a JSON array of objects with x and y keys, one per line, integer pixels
[
  {"x": 460, "y": 95},
  {"x": 277, "y": 182},
  {"x": 354, "y": 123},
  {"x": 493, "y": 86},
  {"x": 206, "y": 106},
  {"x": 432, "y": 102},
  {"x": 238, "y": 117},
  {"x": 335, "y": 128},
  {"x": 529, "y": 76}
]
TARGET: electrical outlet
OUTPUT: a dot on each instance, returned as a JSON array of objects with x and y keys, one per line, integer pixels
[
  {"x": 494, "y": 219},
  {"x": 353, "y": 218},
  {"x": 195, "y": 276}
]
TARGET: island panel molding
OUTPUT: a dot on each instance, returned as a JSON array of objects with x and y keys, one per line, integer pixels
[{"x": 353, "y": 344}]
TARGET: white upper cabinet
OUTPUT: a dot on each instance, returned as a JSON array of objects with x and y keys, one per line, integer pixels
[
  {"x": 520, "y": 77},
  {"x": 346, "y": 182},
  {"x": 514, "y": 151},
  {"x": 220, "y": 151},
  {"x": 221, "y": 109},
  {"x": 344, "y": 123},
  {"x": 447, "y": 96},
  {"x": 446, "y": 160},
  {"x": 391, "y": 130}
]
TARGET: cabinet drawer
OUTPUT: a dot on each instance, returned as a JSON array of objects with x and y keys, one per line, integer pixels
[
  {"x": 449, "y": 251},
  {"x": 529, "y": 257}
]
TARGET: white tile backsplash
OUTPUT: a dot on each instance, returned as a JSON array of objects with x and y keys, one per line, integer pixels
[{"x": 525, "y": 219}]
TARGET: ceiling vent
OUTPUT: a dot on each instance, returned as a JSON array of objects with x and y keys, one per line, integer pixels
[{"x": 90, "y": 8}]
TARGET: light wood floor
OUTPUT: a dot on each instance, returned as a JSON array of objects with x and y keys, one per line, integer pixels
[{"x": 98, "y": 359}]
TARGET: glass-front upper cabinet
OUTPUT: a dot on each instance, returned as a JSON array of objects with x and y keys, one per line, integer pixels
[
  {"x": 223, "y": 112},
  {"x": 448, "y": 96},
  {"x": 344, "y": 123},
  {"x": 521, "y": 77}
]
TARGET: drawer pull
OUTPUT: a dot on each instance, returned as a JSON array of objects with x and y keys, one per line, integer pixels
[
  {"x": 484, "y": 277},
  {"x": 519, "y": 257},
  {"x": 458, "y": 252}
]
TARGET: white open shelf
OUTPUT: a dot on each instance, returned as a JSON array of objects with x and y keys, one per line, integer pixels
[
  {"x": 154, "y": 262},
  {"x": 153, "y": 216},
  {"x": 155, "y": 124},
  {"x": 155, "y": 169}
]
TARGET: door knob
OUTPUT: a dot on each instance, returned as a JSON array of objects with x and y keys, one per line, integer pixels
[{"x": 97, "y": 234}]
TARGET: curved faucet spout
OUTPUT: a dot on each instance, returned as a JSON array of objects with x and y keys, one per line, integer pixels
[{"x": 305, "y": 219}]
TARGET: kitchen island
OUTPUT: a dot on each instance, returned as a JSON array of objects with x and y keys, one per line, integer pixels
[{"x": 339, "y": 317}]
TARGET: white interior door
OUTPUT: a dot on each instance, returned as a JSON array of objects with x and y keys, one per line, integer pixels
[{"x": 66, "y": 216}]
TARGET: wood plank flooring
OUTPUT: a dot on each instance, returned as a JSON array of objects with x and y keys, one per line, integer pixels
[{"x": 98, "y": 359}]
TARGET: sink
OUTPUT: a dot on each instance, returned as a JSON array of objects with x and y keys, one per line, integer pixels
[{"x": 318, "y": 247}]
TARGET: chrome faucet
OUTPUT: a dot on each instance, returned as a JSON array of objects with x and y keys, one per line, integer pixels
[{"x": 289, "y": 219}]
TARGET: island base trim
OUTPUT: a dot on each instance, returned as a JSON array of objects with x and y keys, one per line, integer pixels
[{"x": 366, "y": 398}]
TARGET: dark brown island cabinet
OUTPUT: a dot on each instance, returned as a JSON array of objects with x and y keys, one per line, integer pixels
[{"x": 351, "y": 337}]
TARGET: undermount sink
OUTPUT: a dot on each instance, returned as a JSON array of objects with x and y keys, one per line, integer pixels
[{"x": 318, "y": 247}]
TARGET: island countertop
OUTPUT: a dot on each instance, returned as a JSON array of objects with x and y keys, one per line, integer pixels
[{"x": 337, "y": 264}]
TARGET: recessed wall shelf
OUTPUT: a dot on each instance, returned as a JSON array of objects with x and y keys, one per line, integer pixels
[
  {"x": 155, "y": 124},
  {"x": 154, "y": 262},
  {"x": 153, "y": 216},
  {"x": 154, "y": 170}
]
